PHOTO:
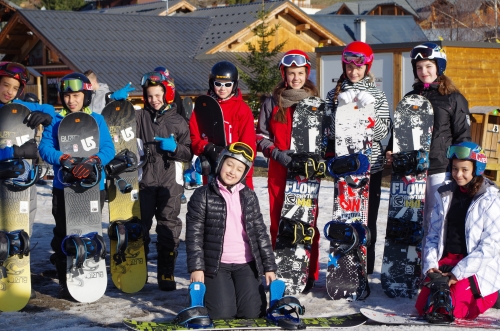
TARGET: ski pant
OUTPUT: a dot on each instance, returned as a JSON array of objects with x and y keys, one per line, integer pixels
[
  {"x": 373, "y": 205},
  {"x": 164, "y": 204},
  {"x": 236, "y": 291},
  {"x": 467, "y": 303},
  {"x": 276, "y": 183}
]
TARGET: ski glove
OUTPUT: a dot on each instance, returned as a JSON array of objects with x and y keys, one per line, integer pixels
[
  {"x": 67, "y": 161},
  {"x": 283, "y": 157},
  {"x": 347, "y": 96},
  {"x": 365, "y": 98},
  {"x": 212, "y": 152},
  {"x": 167, "y": 144},
  {"x": 122, "y": 93},
  {"x": 28, "y": 150},
  {"x": 36, "y": 118},
  {"x": 86, "y": 167}
]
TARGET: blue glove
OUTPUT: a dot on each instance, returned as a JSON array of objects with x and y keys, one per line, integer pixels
[
  {"x": 122, "y": 93},
  {"x": 167, "y": 144}
]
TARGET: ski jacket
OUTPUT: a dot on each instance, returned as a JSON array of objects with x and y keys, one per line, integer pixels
[
  {"x": 238, "y": 125},
  {"x": 206, "y": 224},
  {"x": 451, "y": 124},
  {"x": 50, "y": 153},
  {"x": 99, "y": 98},
  {"x": 160, "y": 169},
  {"x": 482, "y": 232},
  {"x": 383, "y": 121},
  {"x": 6, "y": 153}
]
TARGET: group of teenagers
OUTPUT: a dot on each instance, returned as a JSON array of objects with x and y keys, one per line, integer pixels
[{"x": 227, "y": 242}]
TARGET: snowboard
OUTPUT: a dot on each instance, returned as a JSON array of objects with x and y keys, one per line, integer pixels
[
  {"x": 128, "y": 263},
  {"x": 300, "y": 207},
  {"x": 79, "y": 137},
  {"x": 15, "y": 278},
  {"x": 187, "y": 103},
  {"x": 480, "y": 322},
  {"x": 210, "y": 122},
  {"x": 401, "y": 269},
  {"x": 347, "y": 232},
  {"x": 346, "y": 321}
]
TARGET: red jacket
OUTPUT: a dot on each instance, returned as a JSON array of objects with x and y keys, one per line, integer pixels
[{"x": 238, "y": 124}]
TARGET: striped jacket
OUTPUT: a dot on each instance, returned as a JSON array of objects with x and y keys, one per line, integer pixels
[
  {"x": 382, "y": 122},
  {"x": 482, "y": 236}
]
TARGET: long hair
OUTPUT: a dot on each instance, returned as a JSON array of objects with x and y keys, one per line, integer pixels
[
  {"x": 280, "y": 115},
  {"x": 446, "y": 85},
  {"x": 474, "y": 185}
]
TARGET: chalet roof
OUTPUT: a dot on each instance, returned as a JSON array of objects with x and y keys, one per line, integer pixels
[
  {"x": 155, "y": 8},
  {"x": 364, "y": 7},
  {"x": 379, "y": 29},
  {"x": 9, "y": 4}
]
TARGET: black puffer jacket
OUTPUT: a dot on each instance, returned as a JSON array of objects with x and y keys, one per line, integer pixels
[
  {"x": 206, "y": 224},
  {"x": 451, "y": 124}
]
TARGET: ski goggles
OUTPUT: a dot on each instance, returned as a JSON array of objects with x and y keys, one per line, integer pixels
[
  {"x": 242, "y": 149},
  {"x": 154, "y": 77},
  {"x": 226, "y": 84},
  {"x": 358, "y": 59},
  {"x": 16, "y": 70},
  {"x": 294, "y": 59},
  {"x": 462, "y": 152},
  {"x": 74, "y": 85},
  {"x": 423, "y": 53}
]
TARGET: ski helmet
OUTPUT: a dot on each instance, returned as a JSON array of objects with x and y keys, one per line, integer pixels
[
  {"x": 468, "y": 150},
  {"x": 428, "y": 51},
  {"x": 224, "y": 70},
  {"x": 155, "y": 78},
  {"x": 75, "y": 82},
  {"x": 359, "y": 53},
  {"x": 239, "y": 151},
  {"x": 31, "y": 97},
  {"x": 16, "y": 71},
  {"x": 164, "y": 71},
  {"x": 294, "y": 58}
]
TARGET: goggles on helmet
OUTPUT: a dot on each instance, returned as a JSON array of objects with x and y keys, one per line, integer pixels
[
  {"x": 358, "y": 59},
  {"x": 423, "y": 53},
  {"x": 294, "y": 59},
  {"x": 16, "y": 70},
  {"x": 74, "y": 85},
  {"x": 154, "y": 77},
  {"x": 226, "y": 84},
  {"x": 462, "y": 152},
  {"x": 242, "y": 149}
]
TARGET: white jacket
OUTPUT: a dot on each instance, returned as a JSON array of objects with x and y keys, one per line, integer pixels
[{"x": 482, "y": 235}]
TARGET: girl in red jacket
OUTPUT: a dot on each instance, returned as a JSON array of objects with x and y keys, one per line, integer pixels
[
  {"x": 274, "y": 135},
  {"x": 238, "y": 118}
]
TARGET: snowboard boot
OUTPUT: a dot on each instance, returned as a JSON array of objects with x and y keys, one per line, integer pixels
[
  {"x": 60, "y": 262},
  {"x": 166, "y": 267},
  {"x": 309, "y": 285}
]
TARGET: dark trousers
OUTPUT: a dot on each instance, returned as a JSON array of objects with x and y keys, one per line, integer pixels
[
  {"x": 164, "y": 204},
  {"x": 373, "y": 205},
  {"x": 235, "y": 292}
]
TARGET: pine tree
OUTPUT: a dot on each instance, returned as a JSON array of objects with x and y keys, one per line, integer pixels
[{"x": 263, "y": 75}]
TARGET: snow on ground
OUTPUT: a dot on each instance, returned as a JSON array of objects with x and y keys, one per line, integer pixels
[{"x": 46, "y": 312}]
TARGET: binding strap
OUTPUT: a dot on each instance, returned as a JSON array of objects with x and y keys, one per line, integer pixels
[
  {"x": 122, "y": 232},
  {"x": 287, "y": 305},
  {"x": 193, "y": 317},
  {"x": 91, "y": 245}
]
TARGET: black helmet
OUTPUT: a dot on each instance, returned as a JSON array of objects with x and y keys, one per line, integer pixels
[
  {"x": 75, "y": 82},
  {"x": 224, "y": 70},
  {"x": 30, "y": 97}
]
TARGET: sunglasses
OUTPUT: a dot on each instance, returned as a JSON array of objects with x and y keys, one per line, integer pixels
[
  {"x": 227, "y": 84},
  {"x": 356, "y": 58},
  {"x": 294, "y": 59},
  {"x": 243, "y": 149},
  {"x": 154, "y": 77},
  {"x": 74, "y": 85},
  {"x": 17, "y": 70}
]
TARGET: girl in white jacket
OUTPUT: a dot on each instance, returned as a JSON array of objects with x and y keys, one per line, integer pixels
[{"x": 462, "y": 250}]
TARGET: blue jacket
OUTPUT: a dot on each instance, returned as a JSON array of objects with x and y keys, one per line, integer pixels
[
  {"x": 50, "y": 153},
  {"x": 6, "y": 153}
]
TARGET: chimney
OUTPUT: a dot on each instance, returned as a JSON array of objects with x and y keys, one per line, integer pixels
[{"x": 360, "y": 26}]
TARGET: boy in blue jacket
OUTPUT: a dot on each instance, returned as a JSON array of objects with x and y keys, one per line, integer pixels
[{"x": 75, "y": 92}]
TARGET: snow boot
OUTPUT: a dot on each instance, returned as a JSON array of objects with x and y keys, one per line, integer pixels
[
  {"x": 166, "y": 267},
  {"x": 60, "y": 262}
]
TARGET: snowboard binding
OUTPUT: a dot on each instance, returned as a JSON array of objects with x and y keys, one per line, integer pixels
[
  {"x": 342, "y": 236},
  {"x": 123, "y": 232},
  {"x": 67, "y": 179},
  {"x": 12, "y": 243},
  {"x": 307, "y": 164},
  {"x": 196, "y": 316},
  {"x": 124, "y": 161},
  {"x": 439, "y": 308},
  {"x": 19, "y": 173},
  {"x": 81, "y": 248},
  {"x": 284, "y": 311},
  {"x": 404, "y": 232},
  {"x": 343, "y": 166},
  {"x": 296, "y": 232},
  {"x": 410, "y": 162}
]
